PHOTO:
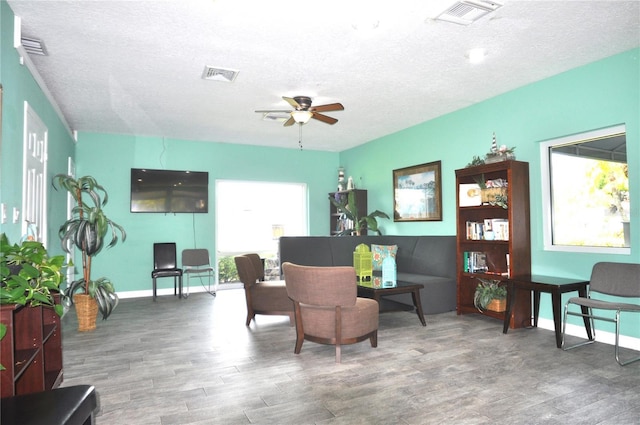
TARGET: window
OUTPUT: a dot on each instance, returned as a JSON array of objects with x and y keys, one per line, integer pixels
[
  {"x": 251, "y": 217},
  {"x": 586, "y": 192}
]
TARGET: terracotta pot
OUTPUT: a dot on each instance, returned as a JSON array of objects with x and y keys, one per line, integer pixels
[
  {"x": 497, "y": 305},
  {"x": 87, "y": 312}
]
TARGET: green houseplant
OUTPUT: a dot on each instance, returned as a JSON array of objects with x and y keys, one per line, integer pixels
[
  {"x": 28, "y": 275},
  {"x": 348, "y": 207},
  {"x": 487, "y": 291},
  {"x": 87, "y": 230}
]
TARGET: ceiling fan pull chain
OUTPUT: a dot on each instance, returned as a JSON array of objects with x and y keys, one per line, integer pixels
[{"x": 300, "y": 136}]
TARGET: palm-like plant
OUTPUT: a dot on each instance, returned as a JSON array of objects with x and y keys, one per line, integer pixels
[
  {"x": 87, "y": 230},
  {"x": 348, "y": 207}
]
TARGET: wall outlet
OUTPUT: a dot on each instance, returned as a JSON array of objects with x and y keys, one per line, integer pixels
[
  {"x": 16, "y": 214},
  {"x": 3, "y": 213}
]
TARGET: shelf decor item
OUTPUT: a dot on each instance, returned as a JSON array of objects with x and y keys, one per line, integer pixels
[
  {"x": 490, "y": 295},
  {"x": 417, "y": 193},
  {"x": 363, "y": 263},
  {"x": 87, "y": 230},
  {"x": 497, "y": 154}
]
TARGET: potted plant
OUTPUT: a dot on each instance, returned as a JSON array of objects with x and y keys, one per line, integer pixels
[
  {"x": 87, "y": 230},
  {"x": 347, "y": 206},
  {"x": 28, "y": 275},
  {"x": 490, "y": 295}
]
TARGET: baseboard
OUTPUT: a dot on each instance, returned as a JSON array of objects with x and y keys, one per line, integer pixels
[
  {"x": 169, "y": 291},
  {"x": 601, "y": 336}
]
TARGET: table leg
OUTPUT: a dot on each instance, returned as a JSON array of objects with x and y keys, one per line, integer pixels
[
  {"x": 556, "y": 301},
  {"x": 536, "y": 307},
  {"x": 418, "y": 305},
  {"x": 585, "y": 311},
  {"x": 511, "y": 293}
]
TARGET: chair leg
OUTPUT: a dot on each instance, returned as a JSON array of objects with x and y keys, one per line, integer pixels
[
  {"x": 338, "y": 352},
  {"x": 154, "y": 289},
  {"x": 617, "y": 349},
  {"x": 564, "y": 328},
  {"x": 374, "y": 339}
]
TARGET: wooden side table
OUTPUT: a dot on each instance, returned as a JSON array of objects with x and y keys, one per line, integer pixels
[{"x": 555, "y": 286}]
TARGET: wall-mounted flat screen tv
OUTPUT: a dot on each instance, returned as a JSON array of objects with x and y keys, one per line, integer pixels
[{"x": 167, "y": 191}]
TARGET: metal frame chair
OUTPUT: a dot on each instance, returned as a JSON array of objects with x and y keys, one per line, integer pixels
[
  {"x": 165, "y": 265},
  {"x": 197, "y": 262},
  {"x": 616, "y": 279}
]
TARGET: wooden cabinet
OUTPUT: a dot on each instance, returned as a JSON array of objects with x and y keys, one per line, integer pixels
[
  {"x": 31, "y": 350},
  {"x": 500, "y": 235},
  {"x": 338, "y": 223}
]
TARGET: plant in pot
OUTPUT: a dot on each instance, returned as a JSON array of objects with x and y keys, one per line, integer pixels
[
  {"x": 347, "y": 207},
  {"x": 29, "y": 276},
  {"x": 87, "y": 230},
  {"x": 490, "y": 295}
]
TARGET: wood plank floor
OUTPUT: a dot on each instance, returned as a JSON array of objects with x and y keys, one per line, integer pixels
[{"x": 193, "y": 361}]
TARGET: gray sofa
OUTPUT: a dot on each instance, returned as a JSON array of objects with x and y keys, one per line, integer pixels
[{"x": 429, "y": 260}]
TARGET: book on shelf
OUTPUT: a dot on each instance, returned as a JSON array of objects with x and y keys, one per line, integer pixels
[
  {"x": 475, "y": 262},
  {"x": 488, "y": 229}
]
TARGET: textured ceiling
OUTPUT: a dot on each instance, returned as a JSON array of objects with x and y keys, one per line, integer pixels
[{"x": 134, "y": 67}]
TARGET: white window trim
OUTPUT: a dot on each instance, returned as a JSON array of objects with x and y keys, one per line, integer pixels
[{"x": 546, "y": 191}]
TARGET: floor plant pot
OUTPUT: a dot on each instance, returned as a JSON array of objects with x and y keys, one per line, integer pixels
[{"x": 87, "y": 312}]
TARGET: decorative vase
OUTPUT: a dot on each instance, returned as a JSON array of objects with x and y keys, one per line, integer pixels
[
  {"x": 497, "y": 305},
  {"x": 87, "y": 312}
]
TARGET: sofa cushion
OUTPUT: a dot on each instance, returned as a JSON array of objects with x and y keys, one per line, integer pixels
[{"x": 380, "y": 252}]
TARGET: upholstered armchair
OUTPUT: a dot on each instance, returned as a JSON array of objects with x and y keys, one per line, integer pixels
[
  {"x": 327, "y": 308},
  {"x": 263, "y": 297}
]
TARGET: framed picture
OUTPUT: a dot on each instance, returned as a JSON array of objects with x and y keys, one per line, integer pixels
[{"x": 417, "y": 193}]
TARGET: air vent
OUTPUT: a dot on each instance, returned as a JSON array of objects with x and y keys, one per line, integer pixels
[
  {"x": 466, "y": 12},
  {"x": 33, "y": 46},
  {"x": 219, "y": 74}
]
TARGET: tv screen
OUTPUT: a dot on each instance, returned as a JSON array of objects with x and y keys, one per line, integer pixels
[{"x": 167, "y": 191}]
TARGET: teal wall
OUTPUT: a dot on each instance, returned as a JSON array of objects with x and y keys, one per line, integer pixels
[
  {"x": 109, "y": 159},
  {"x": 597, "y": 95},
  {"x": 19, "y": 86}
]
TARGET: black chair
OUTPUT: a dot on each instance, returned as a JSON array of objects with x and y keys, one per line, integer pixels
[{"x": 165, "y": 265}]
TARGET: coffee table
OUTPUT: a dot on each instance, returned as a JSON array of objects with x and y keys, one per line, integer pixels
[{"x": 368, "y": 291}]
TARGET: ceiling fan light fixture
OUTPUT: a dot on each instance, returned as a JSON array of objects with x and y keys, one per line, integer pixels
[{"x": 301, "y": 117}]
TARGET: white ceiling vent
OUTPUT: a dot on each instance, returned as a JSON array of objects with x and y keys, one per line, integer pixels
[
  {"x": 219, "y": 74},
  {"x": 33, "y": 46},
  {"x": 466, "y": 12}
]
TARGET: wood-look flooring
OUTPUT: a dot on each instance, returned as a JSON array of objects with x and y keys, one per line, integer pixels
[{"x": 193, "y": 361}]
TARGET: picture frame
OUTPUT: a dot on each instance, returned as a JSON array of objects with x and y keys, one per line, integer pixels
[{"x": 417, "y": 192}]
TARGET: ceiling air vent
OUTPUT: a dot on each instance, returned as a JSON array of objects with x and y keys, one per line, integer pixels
[
  {"x": 219, "y": 74},
  {"x": 33, "y": 46},
  {"x": 466, "y": 12}
]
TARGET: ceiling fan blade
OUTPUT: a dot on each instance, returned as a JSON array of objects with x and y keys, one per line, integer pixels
[
  {"x": 291, "y": 101},
  {"x": 327, "y": 108},
  {"x": 282, "y": 111},
  {"x": 289, "y": 122},
  {"x": 324, "y": 118}
]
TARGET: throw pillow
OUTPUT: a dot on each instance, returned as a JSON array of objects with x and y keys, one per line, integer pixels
[{"x": 380, "y": 252}]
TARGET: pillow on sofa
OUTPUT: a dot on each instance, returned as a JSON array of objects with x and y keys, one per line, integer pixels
[{"x": 380, "y": 252}]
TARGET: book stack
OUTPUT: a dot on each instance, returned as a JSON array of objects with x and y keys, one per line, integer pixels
[{"x": 475, "y": 262}]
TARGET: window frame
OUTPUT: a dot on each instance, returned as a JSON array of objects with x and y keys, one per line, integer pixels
[{"x": 545, "y": 168}]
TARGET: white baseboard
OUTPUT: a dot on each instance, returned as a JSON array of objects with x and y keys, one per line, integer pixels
[
  {"x": 169, "y": 291},
  {"x": 601, "y": 336}
]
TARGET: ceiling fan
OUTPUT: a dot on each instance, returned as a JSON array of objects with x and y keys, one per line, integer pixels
[{"x": 303, "y": 111}]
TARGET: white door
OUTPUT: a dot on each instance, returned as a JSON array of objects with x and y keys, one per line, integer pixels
[{"x": 34, "y": 166}]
